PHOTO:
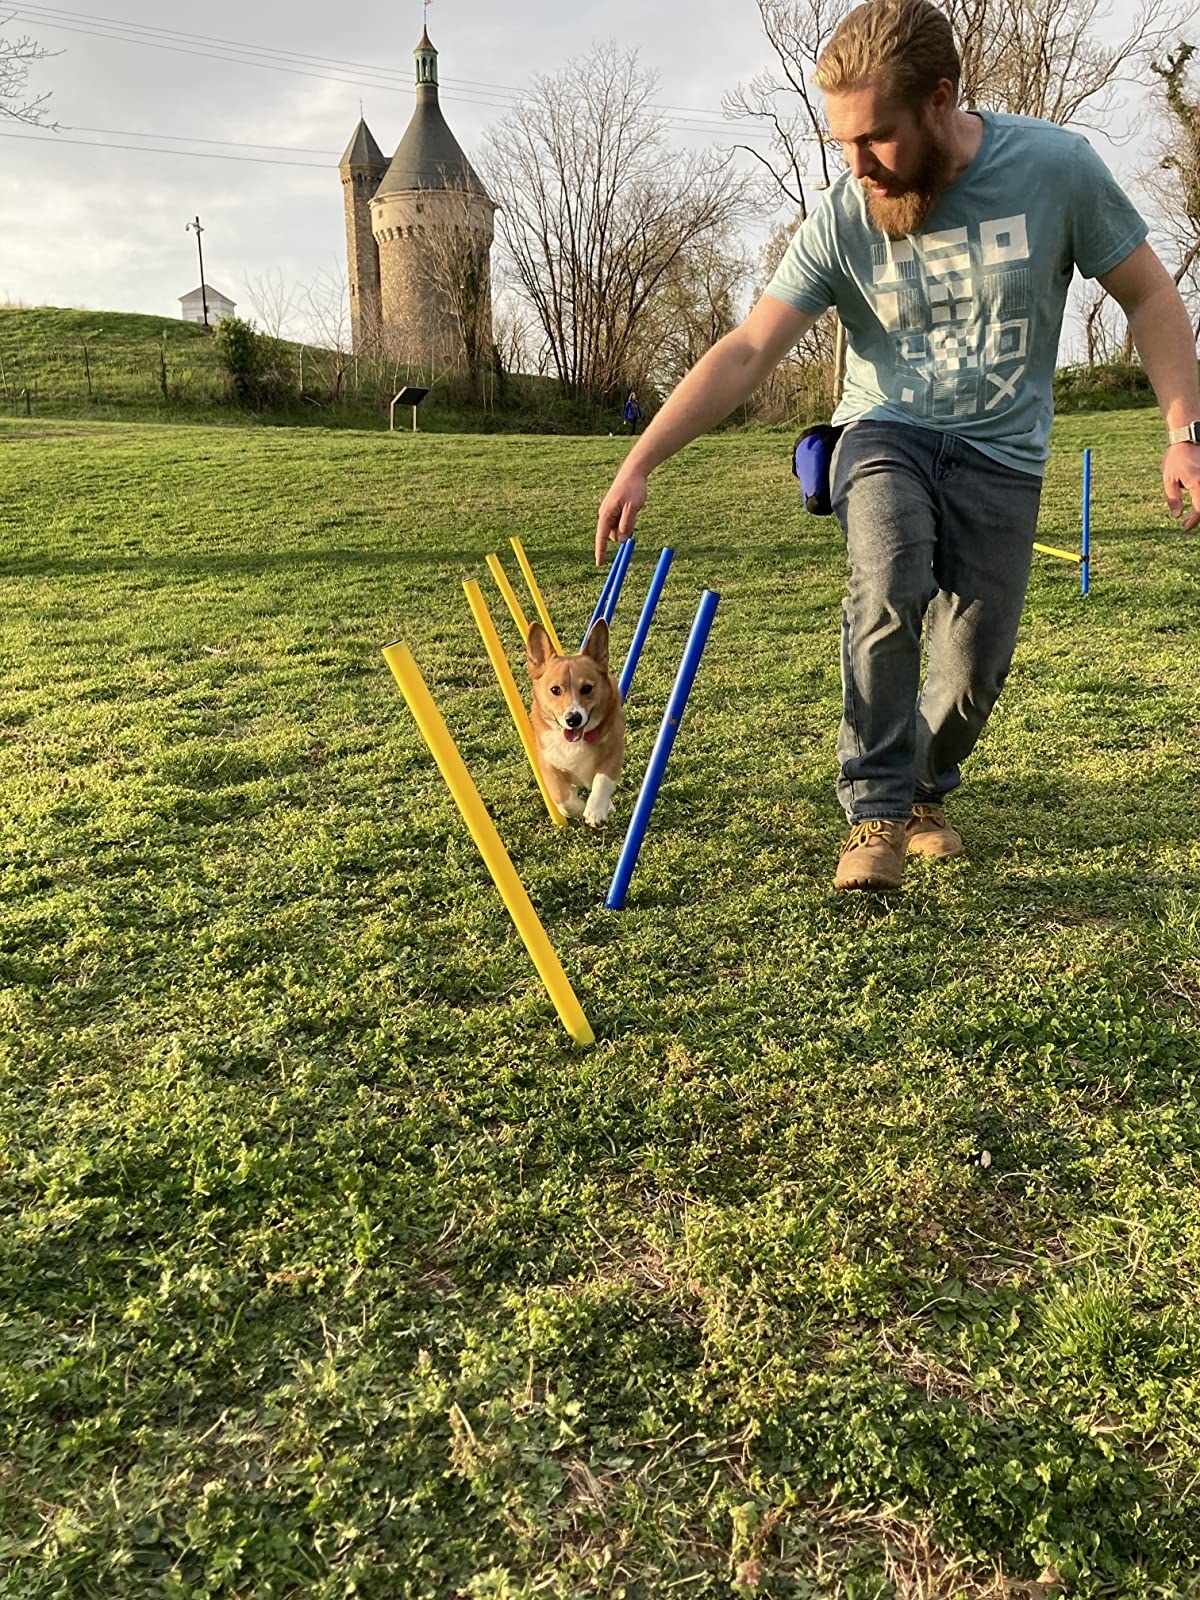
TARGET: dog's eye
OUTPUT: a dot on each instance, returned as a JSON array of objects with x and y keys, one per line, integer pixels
[
  {"x": 585, "y": 688},
  {"x": 555, "y": 688}
]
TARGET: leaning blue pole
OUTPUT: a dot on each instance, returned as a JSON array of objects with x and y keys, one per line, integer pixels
[
  {"x": 644, "y": 621},
  {"x": 1085, "y": 560},
  {"x": 651, "y": 783},
  {"x": 620, "y": 568},
  {"x": 611, "y": 591},
  {"x": 604, "y": 588}
]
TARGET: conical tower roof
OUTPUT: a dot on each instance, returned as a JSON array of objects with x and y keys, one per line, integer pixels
[
  {"x": 362, "y": 151},
  {"x": 428, "y": 156}
]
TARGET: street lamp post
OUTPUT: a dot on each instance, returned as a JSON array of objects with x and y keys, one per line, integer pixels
[{"x": 203, "y": 291}]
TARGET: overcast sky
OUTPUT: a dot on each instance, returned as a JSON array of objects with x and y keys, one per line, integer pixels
[{"x": 102, "y": 228}]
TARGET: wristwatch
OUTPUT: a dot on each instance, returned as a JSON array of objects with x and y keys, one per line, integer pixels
[{"x": 1187, "y": 435}]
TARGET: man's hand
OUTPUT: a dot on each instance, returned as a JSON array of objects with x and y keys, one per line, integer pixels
[
  {"x": 619, "y": 509},
  {"x": 1181, "y": 474}
]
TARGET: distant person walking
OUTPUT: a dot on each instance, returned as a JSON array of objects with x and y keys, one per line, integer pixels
[{"x": 633, "y": 411}]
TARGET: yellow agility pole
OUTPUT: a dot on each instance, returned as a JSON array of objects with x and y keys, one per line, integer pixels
[
  {"x": 495, "y": 650},
  {"x": 510, "y": 599},
  {"x": 483, "y": 831},
  {"x": 1063, "y": 555},
  {"x": 527, "y": 570}
]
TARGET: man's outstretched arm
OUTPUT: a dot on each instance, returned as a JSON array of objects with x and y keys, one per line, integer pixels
[
  {"x": 728, "y": 374},
  {"x": 1162, "y": 332}
]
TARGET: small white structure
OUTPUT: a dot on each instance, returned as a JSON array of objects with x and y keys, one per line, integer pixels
[{"x": 219, "y": 305}]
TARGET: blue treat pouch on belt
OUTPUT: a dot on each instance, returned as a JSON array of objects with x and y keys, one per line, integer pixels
[{"x": 812, "y": 455}]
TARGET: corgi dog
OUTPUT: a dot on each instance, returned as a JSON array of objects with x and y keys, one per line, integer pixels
[{"x": 578, "y": 723}]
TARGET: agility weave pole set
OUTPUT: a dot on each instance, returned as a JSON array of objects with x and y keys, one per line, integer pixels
[
  {"x": 1084, "y": 557},
  {"x": 462, "y": 787}
]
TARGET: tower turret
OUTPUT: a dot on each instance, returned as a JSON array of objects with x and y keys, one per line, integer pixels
[
  {"x": 362, "y": 169},
  {"x": 426, "y": 57}
]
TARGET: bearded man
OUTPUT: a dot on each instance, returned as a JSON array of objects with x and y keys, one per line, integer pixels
[{"x": 947, "y": 247}]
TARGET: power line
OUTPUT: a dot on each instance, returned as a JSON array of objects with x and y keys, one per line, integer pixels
[
  {"x": 200, "y": 155},
  {"x": 164, "y": 150},
  {"x": 187, "y": 138},
  {"x": 387, "y": 79}
]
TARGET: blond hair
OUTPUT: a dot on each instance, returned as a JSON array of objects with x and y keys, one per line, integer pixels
[{"x": 902, "y": 47}]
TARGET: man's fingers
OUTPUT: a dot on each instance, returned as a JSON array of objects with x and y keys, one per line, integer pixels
[
  {"x": 1171, "y": 488},
  {"x": 606, "y": 529},
  {"x": 618, "y": 513},
  {"x": 1181, "y": 483}
]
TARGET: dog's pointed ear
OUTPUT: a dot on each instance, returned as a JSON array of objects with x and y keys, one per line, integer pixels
[
  {"x": 596, "y": 644},
  {"x": 538, "y": 650}
]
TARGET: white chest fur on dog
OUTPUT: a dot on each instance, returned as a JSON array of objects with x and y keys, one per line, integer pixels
[{"x": 578, "y": 758}]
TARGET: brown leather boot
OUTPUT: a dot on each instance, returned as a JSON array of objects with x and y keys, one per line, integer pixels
[
  {"x": 929, "y": 834},
  {"x": 873, "y": 855}
]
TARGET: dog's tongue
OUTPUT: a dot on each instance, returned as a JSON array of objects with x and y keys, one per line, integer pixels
[{"x": 571, "y": 734}]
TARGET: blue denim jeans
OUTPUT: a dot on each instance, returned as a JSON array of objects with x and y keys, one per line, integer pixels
[{"x": 936, "y": 533}]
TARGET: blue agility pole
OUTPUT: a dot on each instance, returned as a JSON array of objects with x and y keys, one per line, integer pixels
[
  {"x": 1085, "y": 560},
  {"x": 644, "y": 621},
  {"x": 651, "y": 783},
  {"x": 620, "y": 568},
  {"x": 611, "y": 592},
  {"x": 604, "y": 588}
]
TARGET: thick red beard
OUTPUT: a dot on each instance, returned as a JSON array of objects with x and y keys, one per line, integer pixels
[{"x": 901, "y": 214}]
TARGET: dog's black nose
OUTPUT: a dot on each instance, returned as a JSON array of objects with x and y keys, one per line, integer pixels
[{"x": 574, "y": 719}]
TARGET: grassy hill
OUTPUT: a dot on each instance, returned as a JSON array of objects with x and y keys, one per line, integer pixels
[
  {"x": 66, "y": 360},
  {"x": 328, "y": 1266},
  {"x": 65, "y": 363}
]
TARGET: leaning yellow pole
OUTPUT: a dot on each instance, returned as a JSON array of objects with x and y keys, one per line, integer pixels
[
  {"x": 1063, "y": 555},
  {"x": 527, "y": 570},
  {"x": 510, "y": 599},
  {"x": 495, "y": 650},
  {"x": 483, "y": 831}
]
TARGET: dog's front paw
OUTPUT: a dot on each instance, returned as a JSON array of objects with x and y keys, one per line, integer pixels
[
  {"x": 599, "y": 803},
  {"x": 573, "y": 807}
]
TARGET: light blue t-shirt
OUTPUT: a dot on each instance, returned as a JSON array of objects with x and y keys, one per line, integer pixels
[{"x": 957, "y": 327}]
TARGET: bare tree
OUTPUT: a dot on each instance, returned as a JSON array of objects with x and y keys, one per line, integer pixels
[
  {"x": 273, "y": 303},
  {"x": 1175, "y": 180},
  {"x": 458, "y": 259},
  {"x": 327, "y": 303},
  {"x": 1051, "y": 58},
  {"x": 802, "y": 159},
  {"x": 595, "y": 209},
  {"x": 807, "y": 383},
  {"x": 520, "y": 341},
  {"x": 1172, "y": 183},
  {"x": 696, "y": 304},
  {"x": 1103, "y": 325},
  {"x": 16, "y": 57}
]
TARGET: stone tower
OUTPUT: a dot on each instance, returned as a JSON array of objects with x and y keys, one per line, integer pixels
[
  {"x": 428, "y": 190},
  {"x": 362, "y": 169}
]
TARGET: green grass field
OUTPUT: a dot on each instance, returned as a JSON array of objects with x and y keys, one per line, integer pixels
[{"x": 330, "y": 1267}]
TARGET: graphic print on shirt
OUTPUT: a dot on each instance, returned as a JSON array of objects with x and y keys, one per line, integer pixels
[{"x": 952, "y": 303}]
